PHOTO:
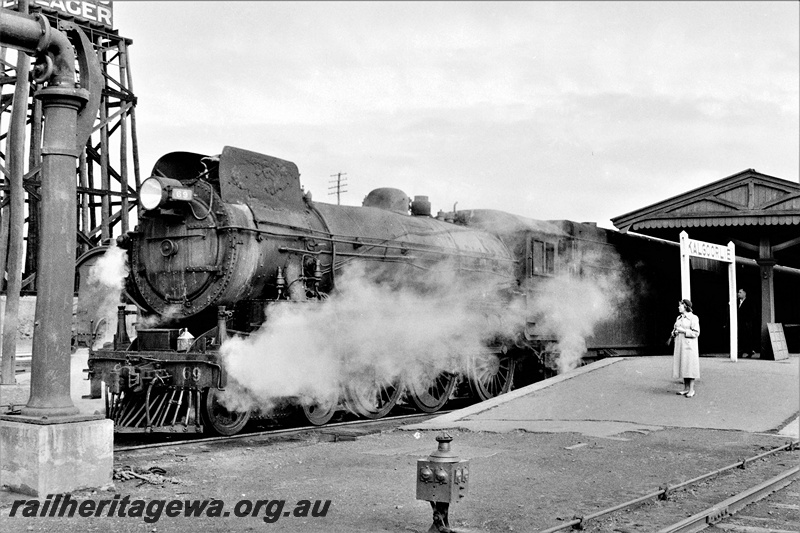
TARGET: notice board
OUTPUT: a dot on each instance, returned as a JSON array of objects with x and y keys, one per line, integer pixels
[{"x": 778, "y": 340}]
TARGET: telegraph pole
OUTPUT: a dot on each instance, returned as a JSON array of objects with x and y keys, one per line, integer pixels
[{"x": 339, "y": 183}]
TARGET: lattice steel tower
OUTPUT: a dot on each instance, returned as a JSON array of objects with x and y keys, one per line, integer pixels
[{"x": 107, "y": 175}]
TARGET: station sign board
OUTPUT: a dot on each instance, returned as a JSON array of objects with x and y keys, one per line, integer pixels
[
  {"x": 709, "y": 250},
  {"x": 716, "y": 252},
  {"x": 99, "y": 12}
]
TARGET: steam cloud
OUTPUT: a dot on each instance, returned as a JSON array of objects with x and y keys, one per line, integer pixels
[
  {"x": 372, "y": 332},
  {"x": 569, "y": 308},
  {"x": 106, "y": 282},
  {"x": 367, "y": 332}
]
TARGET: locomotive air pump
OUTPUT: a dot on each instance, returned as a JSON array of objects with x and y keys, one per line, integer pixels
[{"x": 441, "y": 479}]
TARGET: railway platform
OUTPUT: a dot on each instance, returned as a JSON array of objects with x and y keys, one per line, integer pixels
[
  {"x": 568, "y": 446},
  {"x": 617, "y": 395}
]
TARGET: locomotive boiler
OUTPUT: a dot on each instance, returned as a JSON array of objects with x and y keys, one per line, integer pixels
[{"x": 220, "y": 237}]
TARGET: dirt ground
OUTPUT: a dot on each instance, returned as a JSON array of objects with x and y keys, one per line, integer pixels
[{"x": 518, "y": 481}]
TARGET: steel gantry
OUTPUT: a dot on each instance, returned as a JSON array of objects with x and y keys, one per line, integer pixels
[{"x": 107, "y": 175}]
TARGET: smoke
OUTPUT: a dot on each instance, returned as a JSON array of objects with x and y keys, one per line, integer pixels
[
  {"x": 507, "y": 225},
  {"x": 380, "y": 327},
  {"x": 169, "y": 313},
  {"x": 369, "y": 331},
  {"x": 104, "y": 291},
  {"x": 106, "y": 282},
  {"x": 569, "y": 307}
]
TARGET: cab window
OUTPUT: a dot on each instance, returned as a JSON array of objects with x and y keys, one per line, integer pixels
[{"x": 542, "y": 258}]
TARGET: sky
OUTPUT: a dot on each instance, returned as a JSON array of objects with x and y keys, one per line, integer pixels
[{"x": 551, "y": 110}]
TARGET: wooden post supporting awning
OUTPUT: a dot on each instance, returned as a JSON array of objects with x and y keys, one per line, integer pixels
[{"x": 760, "y": 214}]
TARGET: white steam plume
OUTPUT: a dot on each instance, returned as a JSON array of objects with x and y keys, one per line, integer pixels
[
  {"x": 570, "y": 307},
  {"x": 106, "y": 282},
  {"x": 158, "y": 319},
  {"x": 105, "y": 288},
  {"x": 364, "y": 333},
  {"x": 374, "y": 329}
]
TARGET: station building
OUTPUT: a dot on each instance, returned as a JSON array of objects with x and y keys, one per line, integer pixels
[{"x": 760, "y": 214}]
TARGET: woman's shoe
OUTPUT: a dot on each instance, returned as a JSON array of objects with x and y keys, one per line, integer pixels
[
  {"x": 689, "y": 394},
  {"x": 682, "y": 392}
]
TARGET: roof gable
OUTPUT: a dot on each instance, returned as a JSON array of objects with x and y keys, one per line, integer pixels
[{"x": 746, "y": 198}]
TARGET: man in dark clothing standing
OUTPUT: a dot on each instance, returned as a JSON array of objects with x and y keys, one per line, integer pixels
[{"x": 744, "y": 319}]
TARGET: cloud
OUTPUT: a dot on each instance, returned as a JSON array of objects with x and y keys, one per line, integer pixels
[{"x": 518, "y": 105}]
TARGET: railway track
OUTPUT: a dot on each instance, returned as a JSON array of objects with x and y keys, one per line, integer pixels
[
  {"x": 719, "y": 513},
  {"x": 777, "y": 513},
  {"x": 328, "y": 429},
  {"x": 711, "y": 501}
]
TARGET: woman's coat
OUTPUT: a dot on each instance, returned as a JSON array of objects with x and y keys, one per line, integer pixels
[{"x": 686, "y": 357}]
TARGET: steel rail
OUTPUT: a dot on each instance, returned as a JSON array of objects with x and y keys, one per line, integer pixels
[
  {"x": 269, "y": 433},
  {"x": 580, "y": 521},
  {"x": 722, "y": 510}
]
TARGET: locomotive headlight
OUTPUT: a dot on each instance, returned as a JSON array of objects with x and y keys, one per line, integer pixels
[{"x": 156, "y": 191}]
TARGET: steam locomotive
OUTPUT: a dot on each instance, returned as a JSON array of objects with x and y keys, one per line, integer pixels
[{"x": 219, "y": 238}]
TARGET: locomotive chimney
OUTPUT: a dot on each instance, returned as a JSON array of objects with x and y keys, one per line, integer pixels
[{"x": 421, "y": 207}]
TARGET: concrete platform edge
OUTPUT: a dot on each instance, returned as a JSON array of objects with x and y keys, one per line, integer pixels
[{"x": 456, "y": 416}]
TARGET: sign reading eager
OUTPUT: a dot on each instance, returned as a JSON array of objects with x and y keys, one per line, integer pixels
[{"x": 97, "y": 11}]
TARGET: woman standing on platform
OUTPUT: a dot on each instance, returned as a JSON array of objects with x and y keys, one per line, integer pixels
[{"x": 686, "y": 357}]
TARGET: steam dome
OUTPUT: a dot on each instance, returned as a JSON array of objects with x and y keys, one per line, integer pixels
[{"x": 388, "y": 199}]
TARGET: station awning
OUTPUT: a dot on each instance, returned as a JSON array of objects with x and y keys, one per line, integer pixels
[{"x": 748, "y": 198}]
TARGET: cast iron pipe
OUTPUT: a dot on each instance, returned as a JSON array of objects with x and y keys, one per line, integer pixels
[
  {"x": 61, "y": 100},
  {"x": 28, "y": 34},
  {"x": 16, "y": 216}
]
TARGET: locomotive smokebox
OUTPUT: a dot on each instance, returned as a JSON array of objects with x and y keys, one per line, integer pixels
[{"x": 442, "y": 479}]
